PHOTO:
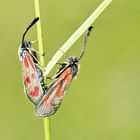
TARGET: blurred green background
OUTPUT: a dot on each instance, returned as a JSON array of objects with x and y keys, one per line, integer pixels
[{"x": 104, "y": 102}]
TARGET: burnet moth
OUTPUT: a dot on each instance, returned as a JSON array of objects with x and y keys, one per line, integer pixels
[
  {"x": 32, "y": 73},
  {"x": 53, "y": 97}
]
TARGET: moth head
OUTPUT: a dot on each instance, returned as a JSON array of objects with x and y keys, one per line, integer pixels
[
  {"x": 73, "y": 60},
  {"x": 26, "y": 46}
]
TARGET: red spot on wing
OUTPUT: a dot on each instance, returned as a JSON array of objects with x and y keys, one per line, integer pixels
[
  {"x": 26, "y": 63},
  {"x": 65, "y": 73},
  {"x": 31, "y": 62},
  {"x": 59, "y": 93},
  {"x": 68, "y": 78},
  {"x": 46, "y": 98},
  {"x": 35, "y": 92},
  {"x": 46, "y": 102},
  {"x": 33, "y": 75},
  {"x": 28, "y": 81},
  {"x": 32, "y": 93},
  {"x": 66, "y": 82},
  {"x": 56, "y": 86}
]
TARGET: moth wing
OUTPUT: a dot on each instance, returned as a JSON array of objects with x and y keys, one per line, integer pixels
[
  {"x": 31, "y": 82},
  {"x": 53, "y": 98}
]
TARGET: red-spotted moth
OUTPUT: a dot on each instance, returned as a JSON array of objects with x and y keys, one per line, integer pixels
[
  {"x": 53, "y": 97},
  {"x": 32, "y": 74}
]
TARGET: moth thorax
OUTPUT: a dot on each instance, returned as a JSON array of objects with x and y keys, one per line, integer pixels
[
  {"x": 76, "y": 72},
  {"x": 26, "y": 45},
  {"x": 73, "y": 60},
  {"x": 74, "y": 69}
]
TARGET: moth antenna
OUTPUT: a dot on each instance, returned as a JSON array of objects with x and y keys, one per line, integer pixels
[
  {"x": 37, "y": 52},
  {"x": 85, "y": 42},
  {"x": 31, "y": 24}
]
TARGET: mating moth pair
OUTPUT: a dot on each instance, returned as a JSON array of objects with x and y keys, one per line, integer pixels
[{"x": 47, "y": 98}]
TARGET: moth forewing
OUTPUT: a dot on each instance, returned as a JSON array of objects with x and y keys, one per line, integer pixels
[
  {"x": 31, "y": 80},
  {"x": 32, "y": 74},
  {"x": 50, "y": 102}
]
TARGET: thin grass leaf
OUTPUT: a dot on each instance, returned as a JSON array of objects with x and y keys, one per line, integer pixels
[
  {"x": 40, "y": 47},
  {"x": 75, "y": 36}
]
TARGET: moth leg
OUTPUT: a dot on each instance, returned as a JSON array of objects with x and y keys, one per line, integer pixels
[
  {"x": 46, "y": 87},
  {"x": 41, "y": 67},
  {"x": 50, "y": 78},
  {"x": 59, "y": 63},
  {"x": 40, "y": 54},
  {"x": 64, "y": 54},
  {"x": 33, "y": 50},
  {"x": 37, "y": 52},
  {"x": 34, "y": 41}
]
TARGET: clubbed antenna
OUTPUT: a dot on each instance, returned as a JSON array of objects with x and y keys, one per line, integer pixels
[
  {"x": 31, "y": 24},
  {"x": 85, "y": 41}
]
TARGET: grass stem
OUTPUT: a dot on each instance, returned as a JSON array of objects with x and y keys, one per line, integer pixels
[{"x": 40, "y": 47}]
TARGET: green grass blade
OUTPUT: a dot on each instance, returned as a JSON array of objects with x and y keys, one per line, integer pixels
[
  {"x": 40, "y": 47},
  {"x": 39, "y": 31},
  {"x": 76, "y": 35}
]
